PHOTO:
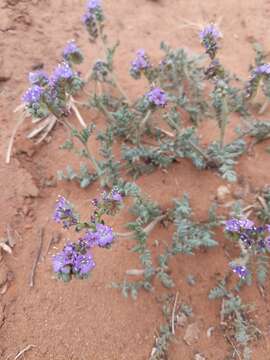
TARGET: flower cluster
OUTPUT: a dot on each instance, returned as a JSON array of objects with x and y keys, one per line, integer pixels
[
  {"x": 71, "y": 261},
  {"x": 72, "y": 53},
  {"x": 240, "y": 270},
  {"x": 251, "y": 238},
  {"x": 100, "y": 71},
  {"x": 140, "y": 64},
  {"x": 76, "y": 259},
  {"x": 157, "y": 97},
  {"x": 38, "y": 77},
  {"x": 33, "y": 95},
  {"x": 92, "y": 17},
  {"x": 64, "y": 213},
  {"x": 257, "y": 74},
  {"x": 209, "y": 37},
  {"x": 50, "y": 93}
]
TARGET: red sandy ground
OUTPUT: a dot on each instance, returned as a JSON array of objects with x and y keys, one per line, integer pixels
[{"x": 86, "y": 320}]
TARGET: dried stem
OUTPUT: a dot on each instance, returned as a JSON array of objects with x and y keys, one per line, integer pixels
[
  {"x": 11, "y": 140},
  {"x": 27, "y": 348},
  {"x": 173, "y": 313},
  {"x": 77, "y": 112},
  {"x": 40, "y": 236}
]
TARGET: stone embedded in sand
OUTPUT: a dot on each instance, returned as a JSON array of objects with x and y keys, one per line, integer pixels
[
  {"x": 199, "y": 357},
  {"x": 222, "y": 193},
  {"x": 3, "y": 274},
  {"x": 192, "y": 334},
  {"x": 2, "y": 315}
]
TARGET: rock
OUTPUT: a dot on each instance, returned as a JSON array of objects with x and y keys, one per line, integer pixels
[
  {"x": 199, "y": 357},
  {"x": 181, "y": 319},
  {"x": 192, "y": 334},
  {"x": 222, "y": 193}
]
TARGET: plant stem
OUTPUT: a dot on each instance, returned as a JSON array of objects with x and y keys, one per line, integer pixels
[
  {"x": 114, "y": 79},
  {"x": 77, "y": 112},
  {"x": 147, "y": 229},
  {"x": 144, "y": 120},
  {"x": 223, "y": 121},
  {"x": 89, "y": 155}
]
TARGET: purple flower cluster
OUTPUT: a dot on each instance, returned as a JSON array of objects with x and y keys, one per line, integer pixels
[
  {"x": 263, "y": 69},
  {"x": 140, "y": 63},
  {"x": 157, "y": 97},
  {"x": 72, "y": 53},
  {"x": 64, "y": 213},
  {"x": 236, "y": 225},
  {"x": 240, "y": 270},
  {"x": 210, "y": 31},
  {"x": 33, "y": 95},
  {"x": 71, "y": 261},
  {"x": 61, "y": 73},
  {"x": 102, "y": 236},
  {"x": 38, "y": 77},
  {"x": 209, "y": 37},
  {"x": 92, "y": 16},
  {"x": 93, "y": 5}
]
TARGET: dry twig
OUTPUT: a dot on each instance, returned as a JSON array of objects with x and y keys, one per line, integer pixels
[
  {"x": 40, "y": 236},
  {"x": 27, "y": 348},
  {"x": 173, "y": 312}
]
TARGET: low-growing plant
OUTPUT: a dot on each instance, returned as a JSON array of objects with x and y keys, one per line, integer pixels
[{"x": 155, "y": 130}]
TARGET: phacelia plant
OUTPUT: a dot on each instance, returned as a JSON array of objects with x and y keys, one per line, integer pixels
[{"x": 76, "y": 258}]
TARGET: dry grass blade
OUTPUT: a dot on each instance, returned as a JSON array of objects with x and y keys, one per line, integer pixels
[
  {"x": 27, "y": 348},
  {"x": 48, "y": 130},
  {"x": 173, "y": 313},
  {"x": 40, "y": 236},
  {"x": 13, "y": 134},
  {"x": 39, "y": 129},
  {"x": 77, "y": 112},
  {"x": 5, "y": 247}
]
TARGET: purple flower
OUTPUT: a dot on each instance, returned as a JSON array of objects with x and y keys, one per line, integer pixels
[
  {"x": 247, "y": 224},
  {"x": 93, "y": 4},
  {"x": 64, "y": 260},
  {"x": 236, "y": 225},
  {"x": 240, "y": 270},
  {"x": 263, "y": 69},
  {"x": 70, "y": 48},
  {"x": 102, "y": 236},
  {"x": 87, "y": 18},
  {"x": 33, "y": 95},
  {"x": 62, "y": 72},
  {"x": 141, "y": 62},
  {"x": 232, "y": 225},
  {"x": 116, "y": 196},
  {"x": 38, "y": 77},
  {"x": 89, "y": 240},
  {"x": 210, "y": 31},
  {"x": 209, "y": 36},
  {"x": 105, "y": 235},
  {"x": 83, "y": 264},
  {"x": 64, "y": 213},
  {"x": 157, "y": 97},
  {"x": 267, "y": 227},
  {"x": 72, "y": 53}
]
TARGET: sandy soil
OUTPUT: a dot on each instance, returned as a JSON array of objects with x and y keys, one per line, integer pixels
[{"x": 86, "y": 320}]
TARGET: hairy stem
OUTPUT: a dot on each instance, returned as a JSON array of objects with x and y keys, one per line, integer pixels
[
  {"x": 88, "y": 153},
  {"x": 147, "y": 229},
  {"x": 223, "y": 121}
]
